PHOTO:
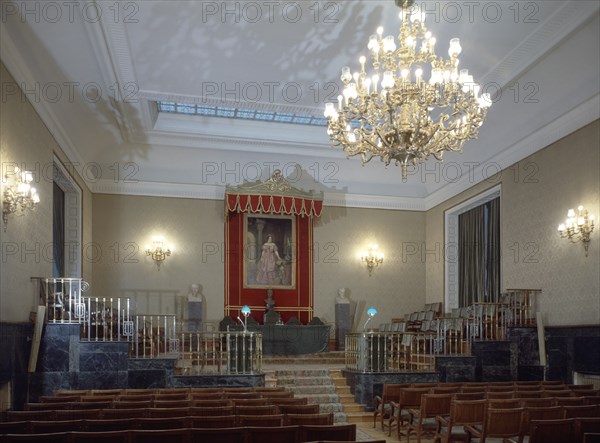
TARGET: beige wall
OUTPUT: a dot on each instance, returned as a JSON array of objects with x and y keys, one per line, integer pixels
[
  {"x": 533, "y": 203},
  {"x": 196, "y": 227},
  {"x": 26, "y": 245}
]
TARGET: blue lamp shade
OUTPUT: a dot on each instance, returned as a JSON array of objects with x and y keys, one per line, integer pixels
[
  {"x": 372, "y": 312},
  {"x": 246, "y": 310}
]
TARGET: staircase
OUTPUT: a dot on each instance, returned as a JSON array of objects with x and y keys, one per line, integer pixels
[{"x": 307, "y": 376}]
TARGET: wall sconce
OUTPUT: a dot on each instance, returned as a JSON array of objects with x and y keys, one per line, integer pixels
[
  {"x": 245, "y": 312},
  {"x": 158, "y": 252},
  {"x": 373, "y": 258},
  {"x": 371, "y": 312},
  {"x": 19, "y": 197},
  {"x": 578, "y": 227}
]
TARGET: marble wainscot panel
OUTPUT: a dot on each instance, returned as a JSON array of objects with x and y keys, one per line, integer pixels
[
  {"x": 209, "y": 381},
  {"x": 150, "y": 372},
  {"x": 366, "y": 385},
  {"x": 454, "y": 369},
  {"x": 525, "y": 355},
  {"x": 493, "y": 360},
  {"x": 572, "y": 349}
]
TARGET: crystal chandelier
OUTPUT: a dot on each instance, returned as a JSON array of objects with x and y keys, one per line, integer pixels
[
  {"x": 395, "y": 114},
  {"x": 578, "y": 227}
]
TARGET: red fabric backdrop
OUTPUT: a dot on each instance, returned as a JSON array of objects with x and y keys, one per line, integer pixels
[{"x": 288, "y": 302}]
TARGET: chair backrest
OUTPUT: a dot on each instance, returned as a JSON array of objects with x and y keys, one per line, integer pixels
[
  {"x": 298, "y": 409},
  {"x": 162, "y": 423},
  {"x": 14, "y": 427},
  {"x": 503, "y": 423},
  {"x": 569, "y": 401},
  {"x": 552, "y": 431},
  {"x": 433, "y": 405},
  {"x": 467, "y": 412},
  {"x": 290, "y": 401},
  {"x": 537, "y": 402},
  {"x": 445, "y": 390},
  {"x": 261, "y": 420},
  {"x": 256, "y": 410},
  {"x": 309, "y": 419},
  {"x": 39, "y": 427},
  {"x": 205, "y": 395},
  {"x": 587, "y": 425},
  {"x": 411, "y": 397},
  {"x": 126, "y": 404},
  {"x": 160, "y": 436},
  {"x": 499, "y": 395},
  {"x": 213, "y": 421},
  {"x": 54, "y": 437},
  {"x": 30, "y": 415},
  {"x": 129, "y": 413},
  {"x": 221, "y": 435},
  {"x": 213, "y": 403},
  {"x": 558, "y": 393},
  {"x": 185, "y": 403},
  {"x": 469, "y": 396},
  {"x": 541, "y": 413},
  {"x": 529, "y": 394},
  {"x": 391, "y": 391},
  {"x": 254, "y": 401},
  {"x": 100, "y": 437},
  {"x": 582, "y": 411},
  {"x": 277, "y": 394},
  {"x": 286, "y": 434},
  {"x": 115, "y": 424},
  {"x": 509, "y": 403},
  {"x": 78, "y": 415},
  {"x": 328, "y": 432},
  {"x": 168, "y": 412}
]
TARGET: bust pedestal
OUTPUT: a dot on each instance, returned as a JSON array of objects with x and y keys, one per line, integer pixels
[{"x": 342, "y": 320}]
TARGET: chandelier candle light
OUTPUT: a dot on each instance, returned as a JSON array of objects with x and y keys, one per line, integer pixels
[
  {"x": 394, "y": 113},
  {"x": 19, "y": 197},
  {"x": 372, "y": 258},
  {"x": 578, "y": 227},
  {"x": 158, "y": 251}
]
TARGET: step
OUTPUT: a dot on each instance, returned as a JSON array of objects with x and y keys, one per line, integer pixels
[
  {"x": 343, "y": 389},
  {"x": 304, "y": 381},
  {"x": 346, "y": 398},
  {"x": 351, "y": 408},
  {"x": 360, "y": 417}
]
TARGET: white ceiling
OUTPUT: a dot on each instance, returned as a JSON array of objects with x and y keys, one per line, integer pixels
[{"x": 285, "y": 56}]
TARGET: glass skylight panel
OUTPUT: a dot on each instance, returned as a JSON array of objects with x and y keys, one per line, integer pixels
[{"x": 241, "y": 113}]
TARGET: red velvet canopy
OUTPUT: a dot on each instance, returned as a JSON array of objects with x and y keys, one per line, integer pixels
[{"x": 274, "y": 198}]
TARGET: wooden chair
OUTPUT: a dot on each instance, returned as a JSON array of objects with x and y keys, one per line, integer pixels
[
  {"x": 469, "y": 396},
  {"x": 582, "y": 411},
  {"x": 115, "y": 424},
  {"x": 14, "y": 427},
  {"x": 171, "y": 396},
  {"x": 529, "y": 394},
  {"x": 99, "y": 437},
  {"x": 47, "y": 406},
  {"x": 498, "y": 423},
  {"x": 409, "y": 398},
  {"x": 256, "y": 410},
  {"x": 126, "y": 404},
  {"x": 206, "y": 412},
  {"x": 168, "y": 412},
  {"x": 78, "y": 405},
  {"x": 78, "y": 415},
  {"x": 289, "y": 401},
  {"x": 61, "y": 399},
  {"x": 214, "y": 403},
  {"x": 183, "y": 403},
  {"x": 593, "y": 400},
  {"x": 462, "y": 413},
  {"x": 109, "y": 414},
  {"x": 298, "y": 409},
  {"x": 276, "y": 394},
  {"x": 309, "y": 419},
  {"x": 169, "y": 391},
  {"x": 391, "y": 392},
  {"x": 69, "y": 392},
  {"x": 540, "y": 413},
  {"x": 205, "y": 395},
  {"x": 162, "y": 423},
  {"x": 584, "y": 426},
  {"x": 558, "y": 393},
  {"x": 328, "y": 432},
  {"x": 31, "y": 415},
  {"x": 55, "y": 437},
  {"x": 591, "y": 437},
  {"x": 213, "y": 421},
  {"x": 280, "y": 434},
  {"x": 432, "y": 405},
  {"x": 47, "y": 427},
  {"x": 510, "y": 403},
  {"x": 445, "y": 390},
  {"x": 491, "y": 395},
  {"x": 105, "y": 392},
  {"x": 223, "y": 435},
  {"x": 254, "y": 401},
  {"x": 261, "y": 420},
  {"x": 569, "y": 401},
  {"x": 241, "y": 395},
  {"x": 135, "y": 397},
  {"x": 160, "y": 436},
  {"x": 537, "y": 402},
  {"x": 551, "y": 431},
  {"x": 269, "y": 389},
  {"x": 586, "y": 387},
  {"x": 467, "y": 388}
]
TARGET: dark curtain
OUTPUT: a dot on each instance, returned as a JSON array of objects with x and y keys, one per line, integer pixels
[
  {"x": 470, "y": 255},
  {"x": 493, "y": 250},
  {"x": 479, "y": 254},
  {"x": 58, "y": 232}
]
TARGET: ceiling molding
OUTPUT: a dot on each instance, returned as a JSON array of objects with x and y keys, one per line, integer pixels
[{"x": 564, "y": 125}]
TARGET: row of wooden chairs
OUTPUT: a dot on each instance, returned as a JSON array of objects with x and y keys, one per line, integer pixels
[
  {"x": 415, "y": 404},
  {"x": 142, "y": 403},
  {"x": 119, "y": 424},
  {"x": 300, "y": 406},
  {"x": 439, "y": 414},
  {"x": 287, "y": 434},
  {"x": 475, "y": 391},
  {"x": 241, "y": 389}
]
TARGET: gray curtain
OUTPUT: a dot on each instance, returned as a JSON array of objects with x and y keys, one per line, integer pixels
[
  {"x": 58, "y": 232},
  {"x": 470, "y": 256},
  {"x": 479, "y": 254}
]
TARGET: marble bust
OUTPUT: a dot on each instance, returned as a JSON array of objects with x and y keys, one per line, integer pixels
[{"x": 341, "y": 297}]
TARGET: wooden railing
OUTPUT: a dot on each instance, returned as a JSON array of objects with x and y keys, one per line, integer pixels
[{"x": 220, "y": 353}]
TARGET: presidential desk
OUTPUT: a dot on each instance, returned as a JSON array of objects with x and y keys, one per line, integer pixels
[{"x": 292, "y": 339}]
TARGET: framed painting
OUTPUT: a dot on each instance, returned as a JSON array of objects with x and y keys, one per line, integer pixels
[{"x": 269, "y": 251}]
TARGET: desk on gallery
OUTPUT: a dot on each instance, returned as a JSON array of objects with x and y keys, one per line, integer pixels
[{"x": 294, "y": 339}]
